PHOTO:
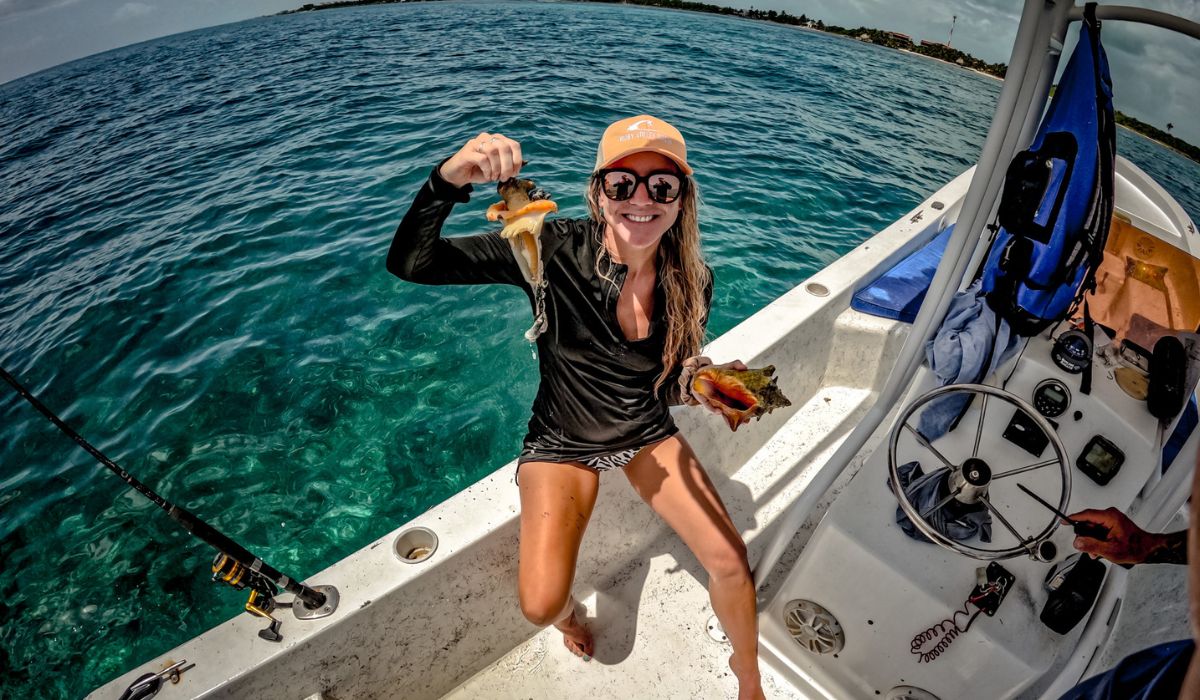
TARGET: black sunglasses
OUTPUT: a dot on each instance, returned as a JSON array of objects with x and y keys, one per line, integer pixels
[{"x": 663, "y": 186}]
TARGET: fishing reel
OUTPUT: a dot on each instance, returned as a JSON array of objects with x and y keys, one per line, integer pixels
[
  {"x": 261, "y": 603},
  {"x": 310, "y": 603}
]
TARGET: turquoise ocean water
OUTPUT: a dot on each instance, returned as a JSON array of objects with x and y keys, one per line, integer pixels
[{"x": 191, "y": 272}]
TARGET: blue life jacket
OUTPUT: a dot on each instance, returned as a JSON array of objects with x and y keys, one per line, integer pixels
[{"x": 1058, "y": 198}]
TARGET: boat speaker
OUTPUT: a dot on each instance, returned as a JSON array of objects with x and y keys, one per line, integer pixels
[
  {"x": 909, "y": 692},
  {"x": 813, "y": 627}
]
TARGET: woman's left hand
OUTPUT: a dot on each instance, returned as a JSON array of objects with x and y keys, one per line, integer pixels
[{"x": 690, "y": 367}]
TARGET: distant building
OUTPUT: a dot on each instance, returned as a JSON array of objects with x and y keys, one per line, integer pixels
[
  {"x": 864, "y": 37},
  {"x": 901, "y": 37},
  {"x": 934, "y": 44}
]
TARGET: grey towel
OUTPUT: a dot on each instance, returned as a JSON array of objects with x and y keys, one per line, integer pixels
[
  {"x": 958, "y": 521},
  {"x": 970, "y": 344}
]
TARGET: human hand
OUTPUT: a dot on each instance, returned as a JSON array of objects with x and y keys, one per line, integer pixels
[
  {"x": 690, "y": 367},
  {"x": 1125, "y": 543},
  {"x": 686, "y": 373},
  {"x": 485, "y": 158}
]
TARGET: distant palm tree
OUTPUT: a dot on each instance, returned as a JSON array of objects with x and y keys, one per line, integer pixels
[{"x": 1169, "y": 127}]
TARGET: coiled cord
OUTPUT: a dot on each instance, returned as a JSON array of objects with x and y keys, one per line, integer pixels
[{"x": 947, "y": 629}]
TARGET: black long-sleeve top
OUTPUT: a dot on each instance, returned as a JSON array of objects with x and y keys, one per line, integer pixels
[{"x": 596, "y": 394}]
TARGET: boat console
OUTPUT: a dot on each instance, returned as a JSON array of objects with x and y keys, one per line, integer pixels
[{"x": 901, "y": 607}]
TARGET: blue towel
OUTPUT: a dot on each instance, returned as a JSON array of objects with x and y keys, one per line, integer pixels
[{"x": 962, "y": 352}]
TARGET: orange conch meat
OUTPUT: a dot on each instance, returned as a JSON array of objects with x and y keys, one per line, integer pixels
[
  {"x": 523, "y": 218},
  {"x": 740, "y": 394},
  {"x": 523, "y": 210}
]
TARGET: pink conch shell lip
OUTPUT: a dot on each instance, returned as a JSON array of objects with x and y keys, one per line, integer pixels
[{"x": 740, "y": 394}]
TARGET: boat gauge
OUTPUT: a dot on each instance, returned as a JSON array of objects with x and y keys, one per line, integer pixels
[
  {"x": 1051, "y": 398},
  {"x": 1100, "y": 460},
  {"x": 1026, "y": 434},
  {"x": 1072, "y": 352}
]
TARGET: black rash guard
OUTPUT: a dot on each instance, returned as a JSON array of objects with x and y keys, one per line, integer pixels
[{"x": 596, "y": 394}]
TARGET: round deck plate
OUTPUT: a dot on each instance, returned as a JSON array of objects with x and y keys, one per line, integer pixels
[{"x": 714, "y": 629}]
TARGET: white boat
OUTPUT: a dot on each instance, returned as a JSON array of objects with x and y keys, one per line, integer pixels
[{"x": 430, "y": 610}]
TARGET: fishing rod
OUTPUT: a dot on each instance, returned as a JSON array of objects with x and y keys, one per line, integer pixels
[{"x": 234, "y": 564}]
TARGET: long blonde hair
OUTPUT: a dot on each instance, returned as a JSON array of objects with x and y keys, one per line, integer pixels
[{"x": 681, "y": 272}]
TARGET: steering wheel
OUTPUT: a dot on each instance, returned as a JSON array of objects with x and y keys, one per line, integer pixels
[{"x": 970, "y": 479}]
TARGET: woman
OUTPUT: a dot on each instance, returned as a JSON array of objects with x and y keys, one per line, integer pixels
[{"x": 627, "y": 300}]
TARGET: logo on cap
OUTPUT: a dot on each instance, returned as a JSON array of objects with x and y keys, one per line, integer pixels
[{"x": 638, "y": 124}]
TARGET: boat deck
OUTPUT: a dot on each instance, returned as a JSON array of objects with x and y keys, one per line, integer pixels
[{"x": 659, "y": 601}]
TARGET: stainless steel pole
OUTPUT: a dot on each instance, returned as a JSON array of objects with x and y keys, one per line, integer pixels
[{"x": 1141, "y": 15}]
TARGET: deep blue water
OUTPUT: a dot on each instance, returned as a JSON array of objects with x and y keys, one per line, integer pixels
[{"x": 191, "y": 273}]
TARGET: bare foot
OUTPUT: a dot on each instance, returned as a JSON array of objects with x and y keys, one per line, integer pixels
[
  {"x": 577, "y": 637},
  {"x": 749, "y": 680}
]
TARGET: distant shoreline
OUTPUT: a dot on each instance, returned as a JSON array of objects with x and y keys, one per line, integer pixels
[
  {"x": 1151, "y": 139},
  {"x": 927, "y": 57}
]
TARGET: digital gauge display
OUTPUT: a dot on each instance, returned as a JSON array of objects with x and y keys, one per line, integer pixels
[
  {"x": 1100, "y": 460},
  {"x": 1051, "y": 398}
]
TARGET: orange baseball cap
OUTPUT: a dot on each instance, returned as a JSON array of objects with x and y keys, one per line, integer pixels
[{"x": 641, "y": 133}]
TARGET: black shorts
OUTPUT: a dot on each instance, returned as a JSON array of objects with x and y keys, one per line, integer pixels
[{"x": 601, "y": 462}]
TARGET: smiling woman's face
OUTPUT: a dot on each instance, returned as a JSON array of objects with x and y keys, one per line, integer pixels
[{"x": 640, "y": 222}]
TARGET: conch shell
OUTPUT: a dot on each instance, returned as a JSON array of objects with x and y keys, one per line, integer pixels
[
  {"x": 523, "y": 211},
  {"x": 740, "y": 394}
]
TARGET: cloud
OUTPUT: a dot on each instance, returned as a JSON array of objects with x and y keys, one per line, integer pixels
[
  {"x": 17, "y": 8},
  {"x": 27, "y": 44},
  {"x": 132, "y": 10}
]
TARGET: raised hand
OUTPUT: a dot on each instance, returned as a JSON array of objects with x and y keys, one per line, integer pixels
[{"x": 486, "y": 158}]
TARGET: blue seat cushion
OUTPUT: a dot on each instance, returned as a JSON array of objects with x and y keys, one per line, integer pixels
[
  {"x": 897, "y": 294},
  {"x": 1183, "y": 431}
]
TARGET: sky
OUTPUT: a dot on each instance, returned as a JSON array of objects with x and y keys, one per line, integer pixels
[{"x": 1155, "y": 72}]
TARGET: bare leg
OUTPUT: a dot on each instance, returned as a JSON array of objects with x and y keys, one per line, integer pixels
[
  {"x": 556, "y": 503},
  {"x": 668, "y": 476}
]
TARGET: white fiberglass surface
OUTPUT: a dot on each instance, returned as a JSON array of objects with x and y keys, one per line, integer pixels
[{"x": 1147, "y": 205}]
